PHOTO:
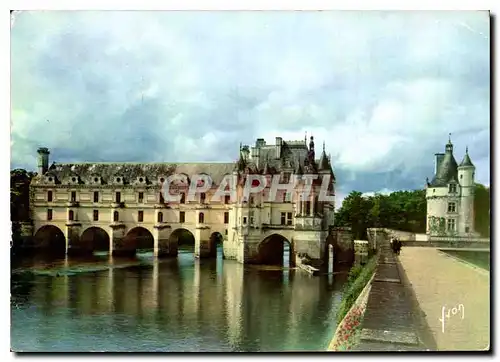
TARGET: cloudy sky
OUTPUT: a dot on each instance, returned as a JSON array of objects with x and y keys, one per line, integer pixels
[{"x": 382, "y": 89}]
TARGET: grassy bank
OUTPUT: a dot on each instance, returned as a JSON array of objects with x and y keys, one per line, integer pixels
[{"x": 358, "y": 277}]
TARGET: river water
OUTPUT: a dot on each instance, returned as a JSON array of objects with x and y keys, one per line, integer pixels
[{"x": 178, "y": 305}]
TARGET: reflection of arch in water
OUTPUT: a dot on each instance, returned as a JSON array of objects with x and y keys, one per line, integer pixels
[
  {"x": 51, "y": 239},
  {"x": 94, "y": 239},
  {"x": 182, "y": 237},
  {"x": 138, "y": 238},
  {"x": 276, "y": 250},
  {"x": 216, "y": 240}
]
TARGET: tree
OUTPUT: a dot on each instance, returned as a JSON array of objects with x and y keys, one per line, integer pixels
[
  {"x": 19, "y": 194},
  {"x": 402, "y": 210},
  {"x": 482, "y": 210}
]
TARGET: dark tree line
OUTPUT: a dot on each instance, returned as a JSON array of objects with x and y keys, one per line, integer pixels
[
  {"x": 19, "y": 204},
  {"x": 482, "y": 199},
  {"x": 19, "y": 194},
  {"x": 401, "y": 210}
]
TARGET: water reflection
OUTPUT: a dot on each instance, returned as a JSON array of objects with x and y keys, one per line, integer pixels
[{"x": 179, "y": 304}]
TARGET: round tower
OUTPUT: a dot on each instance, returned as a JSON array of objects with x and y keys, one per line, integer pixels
[{"x": 466, "y": 172}]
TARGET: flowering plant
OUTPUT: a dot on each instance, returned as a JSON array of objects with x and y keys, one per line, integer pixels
[{"x": 349, "y": 329}]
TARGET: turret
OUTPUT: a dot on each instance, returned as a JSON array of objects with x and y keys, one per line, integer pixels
[
  {"x": 446, "y": 167},
  {"x": 245, "y": 152},
  {"x": 311, "y": 147},
  {"x": 324, "y": 163},
  {"x": 466, "y": 171},
  {"x": 43, "y": 160}
]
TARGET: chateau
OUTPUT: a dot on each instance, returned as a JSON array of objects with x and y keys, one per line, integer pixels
[
  {"x": 450, "y": 196},
  {"x": 117, "y": 206}
]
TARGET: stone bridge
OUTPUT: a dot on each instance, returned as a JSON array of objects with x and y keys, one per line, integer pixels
[{"x": 121, "y": 238}]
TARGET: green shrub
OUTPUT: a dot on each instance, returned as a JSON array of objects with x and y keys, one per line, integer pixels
[
  {"x": 354, "y": 273},
  {"x": 357, "y": 280}
]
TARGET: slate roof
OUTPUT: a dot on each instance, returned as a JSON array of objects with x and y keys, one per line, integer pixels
[
  {"x": 294, "y": 157},
  {"x": 447, "y": 167},
  {"x": 466, "y": 161},
  {"x": 152, "y": 172},
  {"x": 447, "y": 170}
]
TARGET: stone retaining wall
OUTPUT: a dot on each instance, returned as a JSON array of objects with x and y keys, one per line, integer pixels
[{"x": 339, "y": 341}]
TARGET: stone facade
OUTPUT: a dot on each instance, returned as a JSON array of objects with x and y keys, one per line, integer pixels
[
  {"x": 121, "y": 198},
  {"x": 450, "y": 197}
]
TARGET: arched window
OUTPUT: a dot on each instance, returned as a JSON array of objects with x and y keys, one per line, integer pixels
[
  {"x": 115, "y": 216},
  {"x": 201, "y": 218},
  {"x": 71, "y": 215},
  {"x": 160, "y": 216},
  {"x": 183, "y": 198}
]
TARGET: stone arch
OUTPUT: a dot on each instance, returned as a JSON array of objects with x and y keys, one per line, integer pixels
[
  {"x": 182, "y": 236},
  {"x": 272, "y": 248},
  {"x": 138, "y": 238},
  {"x": 50, "y": 239},
  {"x": 94, "y": 238},
  {"x": 216, "y": 239}
]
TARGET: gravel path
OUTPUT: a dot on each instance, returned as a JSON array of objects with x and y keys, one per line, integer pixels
[{"x": 440, "y": 281}]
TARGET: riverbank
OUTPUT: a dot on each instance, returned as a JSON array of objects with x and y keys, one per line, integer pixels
[{"x": 347, "y": 331}]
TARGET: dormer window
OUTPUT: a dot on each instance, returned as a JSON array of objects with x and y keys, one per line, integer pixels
[
  {"x": 141, "y": 180},
  {"x": 452, "y": 188},
  {"x": 50, "y": 179},
  {"x": 73, "y": 180},
  {"x": 119, "y": 180},
  {"x": 95, "y": 180}
]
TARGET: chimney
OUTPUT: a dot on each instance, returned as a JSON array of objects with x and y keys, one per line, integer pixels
[
  {"x": 257, "y": 157},
  {"x": 43, "y": 160},
  {"x": 279, "y": 143},
  {"x": 439, "y": 159}
]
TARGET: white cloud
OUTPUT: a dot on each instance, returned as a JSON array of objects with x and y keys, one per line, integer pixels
[
  {"x": 382, "y": 89},
  {"x": 384, "y": 191}
]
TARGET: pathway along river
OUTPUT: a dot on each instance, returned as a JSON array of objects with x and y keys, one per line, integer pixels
[{"x": 178, "y": 305}]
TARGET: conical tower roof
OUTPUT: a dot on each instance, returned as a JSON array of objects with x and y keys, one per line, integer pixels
[
  {"x": 447, "y": 169},
  {"x": 466, "y": 161},
  {"x": 324, "y": 163}
]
